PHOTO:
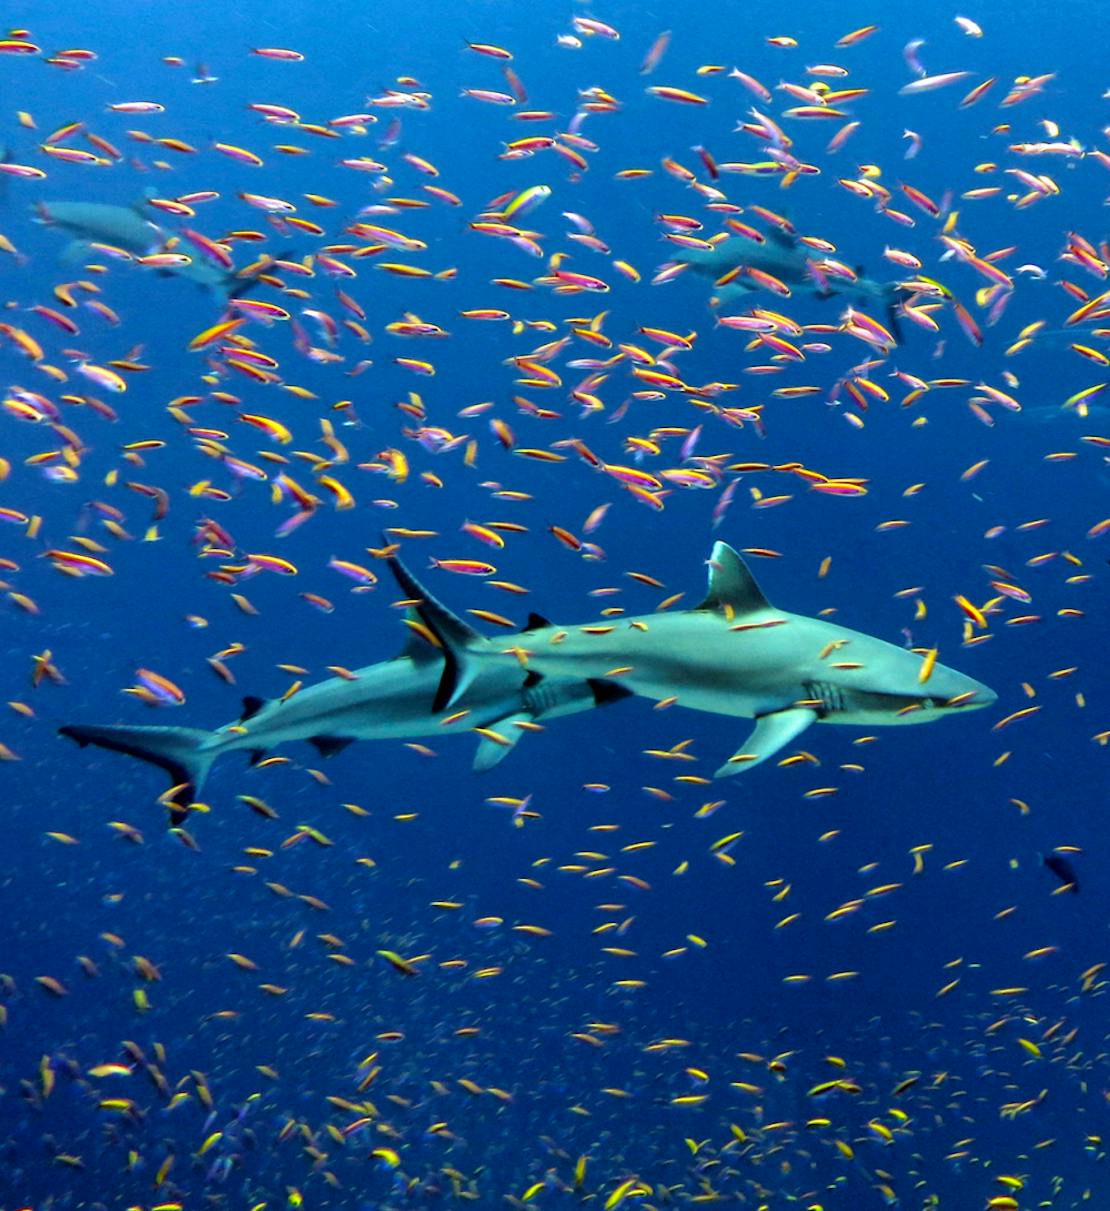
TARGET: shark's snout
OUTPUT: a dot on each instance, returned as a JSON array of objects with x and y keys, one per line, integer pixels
[{"x": 968, "y": 694}]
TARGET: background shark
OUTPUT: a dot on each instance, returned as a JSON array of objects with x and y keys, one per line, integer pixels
[
  {"x": 127, "y": 227},
  {"x": 736, "y": 655},
  {"x": 783, "y": 257},
  {"x": 392, "y": 700}
]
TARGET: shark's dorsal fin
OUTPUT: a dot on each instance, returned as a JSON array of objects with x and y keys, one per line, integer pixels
[
  {"x": 536, "y": 622},
  {"x": 252, "y": 704},
  {"x": 732, "y": 587},
  {"x": 455, "y": 636}
]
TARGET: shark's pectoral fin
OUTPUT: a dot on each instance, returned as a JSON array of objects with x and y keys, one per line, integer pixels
[
  {"x": 500, "y": 741},
  {"x": 772, "y": 732},
  {"x": 74, "y": 251}
]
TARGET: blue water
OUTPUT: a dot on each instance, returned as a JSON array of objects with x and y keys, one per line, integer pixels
[{"x": 540, "y": 1097}]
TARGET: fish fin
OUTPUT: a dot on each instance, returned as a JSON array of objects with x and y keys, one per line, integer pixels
[
  {"x": 456, "y": 637},
  {"x": 417, "y": 648},
  {"x": 252, "y": 704},
  {"x": 257, "y": 755},
  {"x": 232, "y": 286},
  {"x": 492, "y": 752},
  {"x": 328, "y": 746},
  {"x": 731, "y": 584},
  {"x": 74, "y": 251},
  {"x": 772, "y": 732},
  {"x": 892, "y": 296},
  {"x": 235, "y": 285},
  {"x": 605, "y": 692},
  {"x": 777, "y": 235},
  {"x": 185, "y": 753},
  {"x": 536, "y": 622}
]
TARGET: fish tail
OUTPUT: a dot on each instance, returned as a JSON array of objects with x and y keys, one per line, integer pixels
[{"x": 185, "y": 753}]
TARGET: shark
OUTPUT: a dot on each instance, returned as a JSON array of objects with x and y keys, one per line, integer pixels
[
  {"x": 128, "y": 228},
  {"x": 735, "y": 654},
  {"x": 782, "y": 256},
  {"x": 391, "y": 700}
]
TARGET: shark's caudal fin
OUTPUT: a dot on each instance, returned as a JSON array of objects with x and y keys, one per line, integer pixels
[
  {"x": 180, "y": 751},
  {"x": 893, "y": 293},
  {"x": 454, "y": 636},
  {"x": 235, "y": 285}
]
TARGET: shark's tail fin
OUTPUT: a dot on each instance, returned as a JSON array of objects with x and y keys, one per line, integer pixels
[
  {"x": 457, "y": 638},
  {"x": 180, "y": 751},
  {"x": 893, "y": 294},
  {"x": 236, "y": 285}
]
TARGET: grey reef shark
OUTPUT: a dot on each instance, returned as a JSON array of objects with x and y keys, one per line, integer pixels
[
  {"x": 735, "y": 654},
  {"x": 391, "y": 700},
  {"x": 736, "y": 264},
  {"x": 128, "y": 229}
]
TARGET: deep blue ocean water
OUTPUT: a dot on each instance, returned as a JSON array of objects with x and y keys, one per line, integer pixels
[{"x": 561, "y": 1059}]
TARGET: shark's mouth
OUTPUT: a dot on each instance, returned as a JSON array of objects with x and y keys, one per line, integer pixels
[{"x": 827, "y": 699}]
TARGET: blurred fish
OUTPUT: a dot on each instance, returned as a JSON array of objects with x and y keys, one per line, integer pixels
[
  {"x": 737, "y": 655},
  {"x": 392, "y": 700}
]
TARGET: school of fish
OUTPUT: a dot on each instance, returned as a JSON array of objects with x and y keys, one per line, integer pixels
[{"x": 410, "y": 387}]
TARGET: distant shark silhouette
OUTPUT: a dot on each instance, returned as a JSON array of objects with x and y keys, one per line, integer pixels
[
  {"x": 735, "y": 654},
  {"x": 783, "y": 257},
  {"x": 128, "y": 228}
]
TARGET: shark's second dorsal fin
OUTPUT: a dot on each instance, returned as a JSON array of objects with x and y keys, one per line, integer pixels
[
  {"x": 454, "y": 635},
  {"x": 732, "y": 587}
]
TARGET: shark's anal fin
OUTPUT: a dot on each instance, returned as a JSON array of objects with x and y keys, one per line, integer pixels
[
  {"x": 772, "y": 732},
  {"x": 605, "y": 692},
  {"x": 328, "y": 746},
  {"x": 491, "y": 751}
]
